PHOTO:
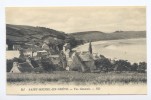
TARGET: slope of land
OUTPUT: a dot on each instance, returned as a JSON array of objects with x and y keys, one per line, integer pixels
[
  {"x": 97, "y": 35},
  {"x": 22, "y": 33},
  {"x": 19, "y": 34}
]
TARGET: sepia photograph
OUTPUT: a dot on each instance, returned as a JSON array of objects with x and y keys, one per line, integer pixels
[{"x": 76, "y": 50}]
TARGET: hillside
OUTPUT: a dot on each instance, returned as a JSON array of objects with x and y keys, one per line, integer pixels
[
  {"x": 21, "y": 34},
  {"x": 28, "y": 33},
  {"x": 97, "y": 35}
]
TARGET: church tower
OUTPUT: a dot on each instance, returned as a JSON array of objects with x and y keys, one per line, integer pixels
[{"x": 90, "y": 48}]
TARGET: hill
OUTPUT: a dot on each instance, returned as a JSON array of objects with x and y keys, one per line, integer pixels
[
  {"x": 97, "y": 35},
  {"x": 24, "y": 33},
  {"x": 21, "y": 34}
]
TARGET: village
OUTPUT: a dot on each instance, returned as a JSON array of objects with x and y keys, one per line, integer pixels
[{"x": 50, "y": 58}]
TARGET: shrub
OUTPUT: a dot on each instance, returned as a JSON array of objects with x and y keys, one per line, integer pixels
[
  {"x": 47, "y": 65},
  {"x": 142, "y": 67},
  {"x": 134, "y": 67},
  {"x": 35, "y": 63},
  {"x": 58, "y": 68},
  {"x": 9, "y": 65},
  {"x": 103, "y": 64},
  {"x": 9, "y": 62},
  {"x": 122, "y": 65}
]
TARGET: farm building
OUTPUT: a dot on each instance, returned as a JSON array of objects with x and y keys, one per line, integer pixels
[{"x": 21, "y": 67}]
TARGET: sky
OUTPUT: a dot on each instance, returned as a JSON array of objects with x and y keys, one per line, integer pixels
[{"x": 77, "y": 19}]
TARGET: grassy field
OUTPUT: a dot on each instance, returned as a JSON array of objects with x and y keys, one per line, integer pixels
[{"x": 77, "y": 78}]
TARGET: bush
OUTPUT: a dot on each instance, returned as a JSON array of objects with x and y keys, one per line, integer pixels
[
  {"x": 35, "y": 63},
  {"x": 9, "y": 65},
  {"x": 19, "y": 60},
  {"x": 122, "y": 65},
  {"x": 9, "y": 62},
  {"x": 58, "y": 68},
  {"x": 38, "y": 70},
  {"x": 134, "y": 67},
  {"x": 142, "y": 67},
  {"x": 47, "y": 65},
  {"x": 103, "y": 64}
]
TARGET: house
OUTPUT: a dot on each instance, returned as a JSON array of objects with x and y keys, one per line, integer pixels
[
  {"x": 28, "y": 52},
  {"x": 77, "y": 64},
  {"x": 17, "y": 47},
  {"x": 45, "y": 46},
  {"x": 63, "y": 59},
  {"x": 29, "y": 44},
  {"x": 88, "y": 60},
  {"x": 82, "y": 61},
  {"x": 95, "y": 56},
  {"x": 67, "y": 53},
  {"x": 21, "y": 67},
  {"x": 42, "y": 53},
  {"x": 66, "y": 47},
  {"x": 69, "y": 62}
]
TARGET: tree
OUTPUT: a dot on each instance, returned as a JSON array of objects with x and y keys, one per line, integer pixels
[
  {"x": 142, "y": 67},
  {"x": 10, "y": 44},
  {"x": 47, "y": 65},
  {"x": 9, "y": 65},
  {"x": 134, "y": 67},
  {"x": 103, "y": 64},
  {"x": 122, "y": 65},
  {"x": 72, "y": 41}
]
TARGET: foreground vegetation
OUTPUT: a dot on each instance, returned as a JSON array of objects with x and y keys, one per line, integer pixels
[
  {"x": 103, "y": 64},
  {"x": 78, "y": 78}
]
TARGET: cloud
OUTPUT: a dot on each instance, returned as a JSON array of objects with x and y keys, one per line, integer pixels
[{"x": 73, "y": 19}]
